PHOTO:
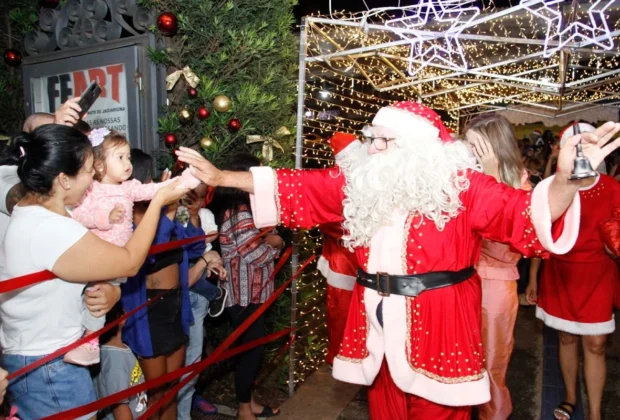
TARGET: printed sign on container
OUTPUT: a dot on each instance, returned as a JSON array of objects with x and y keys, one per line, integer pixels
[{"x": 110, "y": 110}]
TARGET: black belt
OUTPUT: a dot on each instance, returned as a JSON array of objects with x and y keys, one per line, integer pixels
[{"x": 410, "y": 285}]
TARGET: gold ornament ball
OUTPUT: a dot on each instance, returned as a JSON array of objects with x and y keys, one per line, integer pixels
[
  {"x": 221, "y": 103},
  {"x": 206, "y": 142},
  {"x": 185, "y": 115}
]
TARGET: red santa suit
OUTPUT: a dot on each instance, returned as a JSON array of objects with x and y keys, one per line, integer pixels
[
  {"x": 425, "y": 359},
  {"x": 337, "y": 264}
]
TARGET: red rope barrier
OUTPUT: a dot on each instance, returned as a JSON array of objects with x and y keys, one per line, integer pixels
[
  {"x": 172, "y": 392},
  {"x": 83, "y": 340},
  {"x": 30, "y": 279},
  {"x": 33, "y": 278},
  {"x": 194, "y": 369}
]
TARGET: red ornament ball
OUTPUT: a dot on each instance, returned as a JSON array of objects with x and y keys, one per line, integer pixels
[
  {"x": 170, "y": 139},
  {"x": 12, "y": 57},
  {"x": 202, "y": 113},
  {"x": 234, "y": 125},
  {"x": 192, "y": 93},
  {"x": 167, "y": 24}
]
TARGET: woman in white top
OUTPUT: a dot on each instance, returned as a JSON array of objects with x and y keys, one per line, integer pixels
[{"x": 55, "y": 166}]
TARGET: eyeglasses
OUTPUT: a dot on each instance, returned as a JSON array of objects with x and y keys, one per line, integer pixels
[{"x": 380, "y": 143}]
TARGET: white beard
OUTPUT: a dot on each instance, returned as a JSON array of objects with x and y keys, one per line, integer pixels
[{"x": 423, "y": 177}]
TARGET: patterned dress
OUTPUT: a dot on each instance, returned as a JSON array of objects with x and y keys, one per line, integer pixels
[{"x": 248, "y": 259}]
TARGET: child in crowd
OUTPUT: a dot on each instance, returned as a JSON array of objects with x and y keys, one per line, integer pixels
[
  {"x": 533, "y": 166},
  {"x": 143, "y": 172},
  {"x": 119, "y": 370},
  {"x": 107, "y": 210}
]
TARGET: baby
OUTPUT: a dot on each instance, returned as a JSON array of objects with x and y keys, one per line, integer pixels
[{"x": 107, "y": 210}]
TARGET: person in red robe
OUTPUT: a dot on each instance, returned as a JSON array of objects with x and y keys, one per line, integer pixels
[
  {"x": 576, "y": 293},
  {"x": 415, "y": 208},
  {"x": 337, "y": 264}
]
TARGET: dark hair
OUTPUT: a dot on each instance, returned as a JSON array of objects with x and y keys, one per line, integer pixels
[
  {"x": 142, "y": 166},
  {"x": 230, "y": 199},
  {"x": 49, "y": 150},
  {"x": 83, "y": 126},
  {"x": 115, "y": 313}
]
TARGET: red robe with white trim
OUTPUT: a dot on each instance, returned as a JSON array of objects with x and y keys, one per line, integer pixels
[
  {"x": 339, "y": 266},
  {"x": 432, "y": 341},
  {"x": 577, "y": 290}
]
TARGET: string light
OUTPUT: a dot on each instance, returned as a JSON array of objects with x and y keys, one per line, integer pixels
[{"x": 357, "y": 55}]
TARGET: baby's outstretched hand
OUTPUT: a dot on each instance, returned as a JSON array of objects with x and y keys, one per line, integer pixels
[{"x": 117, "y": 214}]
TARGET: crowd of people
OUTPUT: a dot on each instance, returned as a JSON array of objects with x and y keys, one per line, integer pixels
[
  {"x": 425, "y": 235},
  {"x": 81, "y": 204}
]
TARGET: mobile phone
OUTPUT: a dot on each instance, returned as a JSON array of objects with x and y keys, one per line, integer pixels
[{"x": 89, "y": 97}]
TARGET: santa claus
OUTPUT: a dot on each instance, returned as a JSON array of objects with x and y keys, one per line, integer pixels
[
  {"x": 337, "y": 264},
  {"x": 415, "y": 208}
]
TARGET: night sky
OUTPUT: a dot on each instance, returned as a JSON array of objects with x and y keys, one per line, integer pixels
[{"x": 305, "y": 7}]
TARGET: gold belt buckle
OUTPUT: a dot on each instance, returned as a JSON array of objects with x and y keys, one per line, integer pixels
[{"x": 384, "y": 292}]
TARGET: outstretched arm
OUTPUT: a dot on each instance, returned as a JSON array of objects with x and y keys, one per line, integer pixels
[
  {"x": 293, "y": 198},
  {"x": 210, "y": 175}
]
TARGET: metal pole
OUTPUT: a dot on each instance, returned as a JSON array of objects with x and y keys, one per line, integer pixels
[{"x": 301, "y": 88}]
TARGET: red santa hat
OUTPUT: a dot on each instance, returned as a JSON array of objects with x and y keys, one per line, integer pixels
[
  {"x": 341, "y": 142},
  {"x": 409, "y": 117},
  {"x": 570, "y": 131}
]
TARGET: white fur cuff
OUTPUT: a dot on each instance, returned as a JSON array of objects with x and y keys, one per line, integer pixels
[
  {"x": 263, "y": 201},
  {"x": 541, "y": 218}
]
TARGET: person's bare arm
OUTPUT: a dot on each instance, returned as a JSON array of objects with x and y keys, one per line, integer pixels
[
  {"x": 210, "y": 175},
  {"x": 549, "y": 167},
  {"x": 195, "y": 272},
  {"x": 67, "y": 114},
  {"x": 93, "y": 259},
  {"x": 211, "y": 236},
  {"x": 4, "y": 383}
]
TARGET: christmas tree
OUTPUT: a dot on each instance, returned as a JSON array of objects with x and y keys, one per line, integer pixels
[
  {"x": 19, "y": 17},
  {"x": 241, "y": 59}
]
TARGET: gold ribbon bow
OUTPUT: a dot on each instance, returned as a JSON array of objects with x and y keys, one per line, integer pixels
[
  {"x": 269, "y": 142},
  {"x": 190, "y": 78}
]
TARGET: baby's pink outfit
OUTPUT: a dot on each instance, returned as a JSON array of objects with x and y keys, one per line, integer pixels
[{"x": 94, "y": 210}]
